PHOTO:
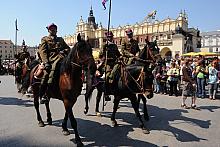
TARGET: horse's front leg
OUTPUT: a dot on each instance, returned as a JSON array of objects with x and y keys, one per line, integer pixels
[
  {"x": 64, "y": 125},
  {"x": 49, "y": 118},
  {"x": 134, "y": 103},
  {"x": 68, "y": 103},
  {"x": 139, "y": 100},
  {"x": 115, "y": 108},
  {"x": 36, "y": 105},
  {"x": 87, "y": 97},
  {"x": 146, "y": 116}
]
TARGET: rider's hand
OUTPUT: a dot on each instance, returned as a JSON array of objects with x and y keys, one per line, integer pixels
[
  {"x": 135, "y": 58},
  {"x": 62, "y": 52},
  {"x": 121, "y": 58},
  {"x": 47, "y": 67}
]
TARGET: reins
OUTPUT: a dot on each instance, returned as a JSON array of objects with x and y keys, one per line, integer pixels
[{"x": 140, "y": 78}]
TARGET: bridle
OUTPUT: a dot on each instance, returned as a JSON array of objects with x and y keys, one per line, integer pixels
[
  {"x": 79, "y": 62},
  {"x": 150, "y": 53},
  {"x": 141, "y": 78},
  {"x": 139, "y": 81}
]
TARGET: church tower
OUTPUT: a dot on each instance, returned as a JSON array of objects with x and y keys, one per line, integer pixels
[{"x": 91, "y": 19}]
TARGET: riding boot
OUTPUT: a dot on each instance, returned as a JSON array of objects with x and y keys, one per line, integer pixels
[
  {"x": 43, "y": 97},
  {"x": 112, "y": 73}
]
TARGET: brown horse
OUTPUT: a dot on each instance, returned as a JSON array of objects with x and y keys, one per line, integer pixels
[
  {"x": 131, "y": 80},
  {"x": 67, "y": 85},
  {"x": 21, "y": 70}
]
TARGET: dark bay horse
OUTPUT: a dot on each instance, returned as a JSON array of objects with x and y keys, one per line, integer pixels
[
  {"x": 67, "y": 85},
  {"x": 148, "y": 54},
  {"x": 134, "y": 79}
]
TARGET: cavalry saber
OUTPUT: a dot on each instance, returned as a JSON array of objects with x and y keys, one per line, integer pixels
[
  {"x": 145, "y": 61},
  {"x": 109, "y": 22},
  {"x": 106, "y": 55}
]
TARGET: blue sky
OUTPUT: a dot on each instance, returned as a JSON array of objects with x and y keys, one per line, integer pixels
[{"x": 34, "y": 15}]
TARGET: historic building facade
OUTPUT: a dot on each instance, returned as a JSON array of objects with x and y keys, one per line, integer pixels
[
  {"x": 173, "y": 36},
  {"x": 211, "y": 41},
  {"x": 7, "y": 50}
]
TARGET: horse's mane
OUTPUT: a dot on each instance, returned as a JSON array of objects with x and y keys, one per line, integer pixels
[
  {"x": 143, "y": 52},
  {"x": 66, "y": 63}
]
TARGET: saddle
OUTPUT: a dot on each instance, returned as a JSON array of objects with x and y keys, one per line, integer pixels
[{"x": 39, "y": 71}]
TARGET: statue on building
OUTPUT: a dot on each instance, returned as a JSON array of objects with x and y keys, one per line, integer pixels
[
  {"x": 188, "y": 47},
  {"x": 178, "y": 30}
]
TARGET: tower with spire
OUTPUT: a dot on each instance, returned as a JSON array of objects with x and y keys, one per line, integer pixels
[{"x": 91, "y": 19}]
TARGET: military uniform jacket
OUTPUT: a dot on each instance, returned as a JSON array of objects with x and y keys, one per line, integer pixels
[
  {"x": 22, "y": 56},
  {"x": 130, "y": 48},
  {"x": 50, "y": 48},
  {"x": 112, "y": 52}
]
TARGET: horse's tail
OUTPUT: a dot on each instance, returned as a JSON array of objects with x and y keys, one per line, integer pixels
[
  {"x": 88, "y": 94},
  {"x": 89, "y": 87}
]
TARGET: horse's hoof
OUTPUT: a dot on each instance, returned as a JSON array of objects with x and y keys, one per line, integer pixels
[
  {"x": 98, "y": 114},
  {"x": 66, "y": 132},
  {"x": 79, "y": 144},
  {"x": 114, "y": 123},
  {"x": 145, "y": 131},
  {"x": 85, "y": 111},
  {"x": 146, "y": 118},
  {"x": 49, "y": 122},
  {"x": 41, "y": 124}
]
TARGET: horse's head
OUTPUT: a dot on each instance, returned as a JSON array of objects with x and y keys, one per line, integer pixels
[
  {"x": 149, "y": 51},
  {"x": 81, "y": 54},
  {"x": 148, "y": 84}
]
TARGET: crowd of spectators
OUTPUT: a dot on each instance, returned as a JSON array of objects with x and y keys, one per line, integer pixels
[{"x": 188, "y": 77}]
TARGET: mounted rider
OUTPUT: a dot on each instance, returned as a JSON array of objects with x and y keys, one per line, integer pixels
[
  {"x": 110, "y": 54},
  {"x": 22, "y": 62},
  {"x": 129, "y": 48},
  {"x": 52, "y": 50},
  {"x": 23, "y": 56}
]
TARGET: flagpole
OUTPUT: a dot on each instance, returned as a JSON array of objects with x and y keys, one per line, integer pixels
[
  {"x": 109, "y": 22},
  {"x": 109, "y": 15},
  {"x": 16, "y": 35},
  {"x": 15, "y": 48}
]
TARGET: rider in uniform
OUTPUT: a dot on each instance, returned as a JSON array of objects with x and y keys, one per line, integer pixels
[
  {"x": 129, "y": 48},
  {"x": 52, "y": 50},
  {"x": 23, "y": 58},
  {"x": 110, "y": 50}
]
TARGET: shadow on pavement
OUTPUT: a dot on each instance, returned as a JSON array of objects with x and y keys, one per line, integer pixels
[
  {"x": 97, "y": 134},
  {"x": 210, "y": 108},
  {"x": 15, "y": 101},
  {"x": 161, "y": 119}
]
